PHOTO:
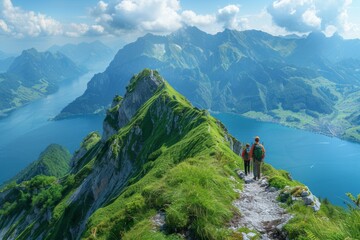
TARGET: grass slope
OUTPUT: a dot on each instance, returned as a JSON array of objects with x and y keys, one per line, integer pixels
[
  {"x": 184, "y": 170},
  {"x": 187, "y": 177},
  {"x": 53, "y": 161}
]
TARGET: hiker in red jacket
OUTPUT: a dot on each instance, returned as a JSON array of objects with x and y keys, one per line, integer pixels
[
  {"x": 246, "y": 157},
  {"x": 257, "y": 154}
]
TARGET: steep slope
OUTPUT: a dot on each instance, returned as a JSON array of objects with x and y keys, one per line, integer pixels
[
  {"x": 33, "y": 75},
  {"x": 160, "y": 147},
  {"x": 164, "y": 170},
  {"x": 53, "y": 161},
  {"x": 86, "y": 54},
  {"x": 300, "y": 82}
]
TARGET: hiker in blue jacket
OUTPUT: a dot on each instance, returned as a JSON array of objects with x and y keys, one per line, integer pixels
[{"x": 257, "y": 153}]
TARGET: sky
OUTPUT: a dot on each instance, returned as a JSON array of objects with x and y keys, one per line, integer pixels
[{"x": 43, "y": 23}]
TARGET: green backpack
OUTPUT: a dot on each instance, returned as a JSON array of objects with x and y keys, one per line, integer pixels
[{"x": 258, "y": 152}]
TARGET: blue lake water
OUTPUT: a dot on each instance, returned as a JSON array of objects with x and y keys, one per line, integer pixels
[
  {"x": 27, "y": 131},
  {"x": 329, "y": 166}
]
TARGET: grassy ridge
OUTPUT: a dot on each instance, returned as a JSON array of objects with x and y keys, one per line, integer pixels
[
  {"x": 186, "y": 175},
  {"x": 53, "y": 161},
  {"x": 183, "y": 169}
]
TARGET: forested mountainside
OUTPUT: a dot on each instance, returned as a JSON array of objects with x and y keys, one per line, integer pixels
[{"x": 298, "y": 82}]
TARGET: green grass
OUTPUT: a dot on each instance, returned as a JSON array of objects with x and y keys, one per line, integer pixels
[
  {"x": 330, "y": 222},
  {"x": 184, "y": 169},
  {"x": 278, "y": 178},
  {"x": 186, "y": 174},
  {"x": 53, "y": 161}
]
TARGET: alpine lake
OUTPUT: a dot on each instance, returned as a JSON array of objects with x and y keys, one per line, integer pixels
[{"x": 328, "y": 166}]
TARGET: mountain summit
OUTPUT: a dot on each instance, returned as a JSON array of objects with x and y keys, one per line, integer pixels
[
  {"x": 162, "y": 157},
  {"x": 33, "y": 75},
  {"x": 295, "y": 81},
  {"x": 165, "y": 170}
]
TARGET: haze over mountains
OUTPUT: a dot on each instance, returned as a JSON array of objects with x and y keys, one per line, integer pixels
[
  {"x": 309, "y": 82},
  {"x": 5, "y": 61},
  {"x": 86, "y": 54},
  {"x": 33, "y": 75}
]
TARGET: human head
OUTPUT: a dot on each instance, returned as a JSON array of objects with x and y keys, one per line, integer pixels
[
  {"x": 257, "y": 139},
  {"x": 247, "y": 145}
]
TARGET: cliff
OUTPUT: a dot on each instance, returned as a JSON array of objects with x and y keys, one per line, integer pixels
[{"x": 163, "y": 170}]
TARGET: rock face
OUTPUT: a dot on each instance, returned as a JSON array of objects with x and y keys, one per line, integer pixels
[
  {"x": 141, "y": 88},
  {"x": 151, "y": 122},
  {"x": 301, "y": 194}
]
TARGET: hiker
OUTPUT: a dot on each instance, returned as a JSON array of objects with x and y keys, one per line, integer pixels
[
  {"x": 246, "y": 156},
  {"x": 257, "y": 154}
]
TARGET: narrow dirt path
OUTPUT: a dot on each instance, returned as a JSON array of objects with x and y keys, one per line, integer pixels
[{"x": 260, "y": 210}]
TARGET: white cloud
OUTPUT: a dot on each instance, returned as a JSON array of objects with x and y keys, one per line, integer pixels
[
  {"x": 20, "y": 23},
  {"x": 78, "y": 30},
  {"x": 309, "y": 18},
  {"x": 311, "y": 15},
  {"x": 160, "y": 16},
  {"x": 3, "y": 26},
  {"x": 191, "y": 18},
  {"x": 228, "y": 16}
]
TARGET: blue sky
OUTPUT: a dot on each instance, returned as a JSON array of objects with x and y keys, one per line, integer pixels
[{"x": 40, "y": 23}]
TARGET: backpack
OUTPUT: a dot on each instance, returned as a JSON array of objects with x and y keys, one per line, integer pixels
[
  {"x": 246, "y": 154},
  {"x": 258, "y": 152}
]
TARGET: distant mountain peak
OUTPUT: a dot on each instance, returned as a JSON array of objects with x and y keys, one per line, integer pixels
[
  {"x": 191, "y": 32},
  {"x": 30, "y": 51},
  {"x": 316, "y": 35},
  {"x": 87, "y": 54}
]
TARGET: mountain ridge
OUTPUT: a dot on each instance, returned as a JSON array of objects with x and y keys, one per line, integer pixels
[
  {"x": 162, "y": 126},
  {"x": 169, "y": 172},
  {"x": 87, "y": 54},
  {"x": 250, "y": 73},
  {"x": 53, "y": 161},
  {"x": 33, "y": 75}
]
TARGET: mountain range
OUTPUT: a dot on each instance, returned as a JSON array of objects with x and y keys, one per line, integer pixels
[
  {"x": 86, "y": 54},
  {"x": 308, "y": 82},
  {"x": 33, "y": 75},
  {"x": 163, "y": 169}
]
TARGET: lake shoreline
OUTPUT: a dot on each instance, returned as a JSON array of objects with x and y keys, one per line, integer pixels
[
  {"x": 316, "y": 160},
  {"x": 357, "y": 141}
]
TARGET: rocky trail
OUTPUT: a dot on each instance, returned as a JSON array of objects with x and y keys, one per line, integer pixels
[{"x": 260, "y": 211}]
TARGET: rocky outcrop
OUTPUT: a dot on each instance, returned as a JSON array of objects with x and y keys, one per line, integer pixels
[
  {"x": 117, "y": 164},
  {"x": 124, "y": 176},
  {"x": 301, "y": 194},
  {"x": 235, "y": 145},
  {"x": 141, "y": 88},
  {"x": 260, "y": 210}
]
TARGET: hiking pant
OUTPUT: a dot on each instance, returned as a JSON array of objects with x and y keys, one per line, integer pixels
[
  {"x": 247, "y": 167},
  {"x": 257, "y": 168}
]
